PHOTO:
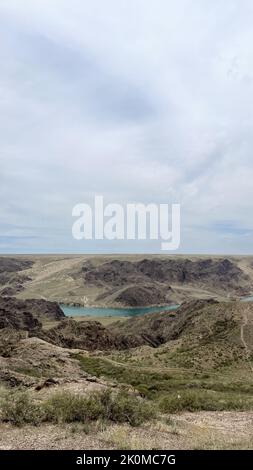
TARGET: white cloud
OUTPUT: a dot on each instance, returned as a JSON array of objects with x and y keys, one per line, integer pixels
[{"x": 138, "y": 100}]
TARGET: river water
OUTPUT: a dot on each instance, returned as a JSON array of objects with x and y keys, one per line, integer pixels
[
  {"x": 113, "y": 312},
  {"x": 70, "y": 311}
]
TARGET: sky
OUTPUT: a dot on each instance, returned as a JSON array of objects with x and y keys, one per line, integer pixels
[{"x": 145, "y": 101}]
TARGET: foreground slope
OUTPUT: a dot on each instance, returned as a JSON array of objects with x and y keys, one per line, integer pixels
[{"x": 199, "y": 334}]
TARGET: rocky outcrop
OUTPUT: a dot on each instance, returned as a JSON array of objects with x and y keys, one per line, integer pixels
[
  {"x": 82, "y": 335},
  {"x": 32, "y": 362},
  {"x": 11, "y": 265},
  {"x": 43, "y": 309},
  {"x": 157, "y": 328},
  {"x": 198, "y": 333},
  {"x": 12, "y": 278},
  {"x": 23, "y": 314},
  {"x": 14, "y": 283},
  {"x": 9, "y": 338},
  {"x": 148, "y": 278},
  {"x": 142, "y": 295},
  {"x": 161, "y": 270},
  {"x": 18, "y": 318}
]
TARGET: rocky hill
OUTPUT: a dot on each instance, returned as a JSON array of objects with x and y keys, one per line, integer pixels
[
  {"x": 120, "y": 273},
  {"x": 144, "y": 295},
  {"x": 82, "y": 335},
  {"x": 19, "y": 318},
  {"x": 126, "y": 280},
  {"x": 12, "y": 278},
  {"x": 13, "y": 265},
  {"x": 11, "y": 307},
  {"x": 200, "y": 334},
  {"x": 195, "y": 326},
  {"x": 150, "y": 281}
]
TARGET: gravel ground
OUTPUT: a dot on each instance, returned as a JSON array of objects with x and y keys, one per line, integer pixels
[{"x": 200, "y": 430}]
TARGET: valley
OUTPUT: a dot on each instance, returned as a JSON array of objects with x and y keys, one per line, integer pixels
[{"x": 179, "y": 377}]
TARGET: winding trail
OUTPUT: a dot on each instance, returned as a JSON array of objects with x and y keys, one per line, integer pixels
[{"x": 162, "y": 370}]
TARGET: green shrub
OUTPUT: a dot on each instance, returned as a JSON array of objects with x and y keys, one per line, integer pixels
[
  {"x": 67, "y": 408},
  {"x": 18, "y": 408},
  {"x": 120, "y": 408},
  {"x": 175, "y": 402},
  {"x": 130, "y": 409},
  {"x": 196, "y": 400}
]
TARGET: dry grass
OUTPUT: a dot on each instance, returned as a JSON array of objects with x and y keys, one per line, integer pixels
[{"x": 195, "y": 431}]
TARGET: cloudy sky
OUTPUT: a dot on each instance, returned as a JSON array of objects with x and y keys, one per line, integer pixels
[{"x": 137, "y": 100}]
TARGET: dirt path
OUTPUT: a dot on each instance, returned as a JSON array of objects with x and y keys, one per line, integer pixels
[{"x": 144, "y": 368}]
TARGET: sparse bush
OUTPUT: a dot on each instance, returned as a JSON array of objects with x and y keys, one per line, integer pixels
[
  {"x": 169, "y": 421},
  {"x": 196, "y": 400},
  {"x": 125, "y": 408},
  {"x": 18, "y": 408},
  {"x": 86, "y": 428},
  {"x": 120, "y": 408},
  {"x": 67, "y": 408}
]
